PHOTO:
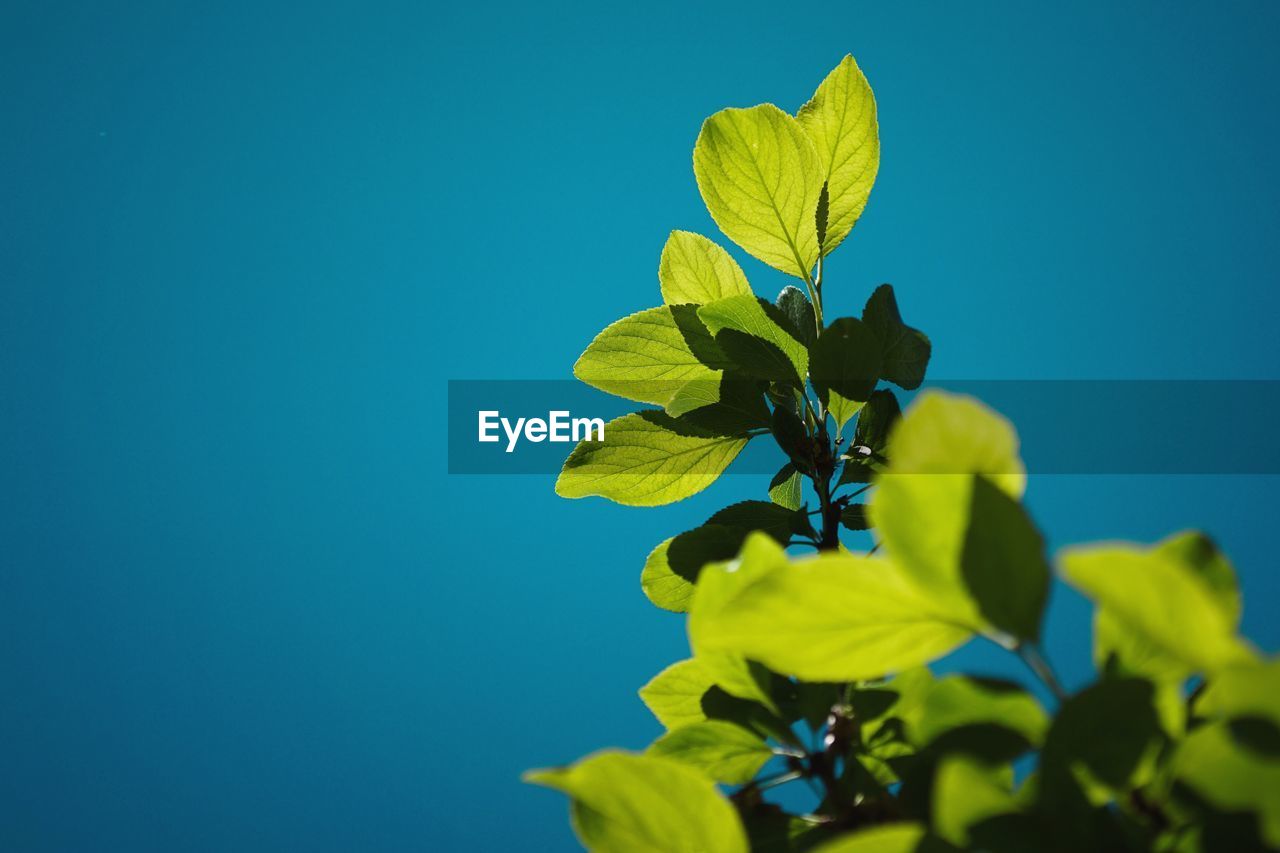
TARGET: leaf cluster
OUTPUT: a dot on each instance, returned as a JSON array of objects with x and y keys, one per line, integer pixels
[{"x": 814, "y": 668}]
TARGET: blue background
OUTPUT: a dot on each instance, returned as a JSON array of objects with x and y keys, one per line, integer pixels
[{"x": 243, "y": 247}]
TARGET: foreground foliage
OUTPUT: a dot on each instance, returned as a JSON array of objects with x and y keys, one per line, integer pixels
[{"x": 814, "y": 669}]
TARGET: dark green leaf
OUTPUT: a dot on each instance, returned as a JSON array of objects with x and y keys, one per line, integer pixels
[
  {"x": 875, "y": 421},
  {"x": 823, "y": 213},
  {"x": 854, "y": 517},
  {"x": 905, "y": 350},
  {"x": 777, "y": 521},
  {"x": 710, "y": 543},
  {"x": 739, "y": 408},
  {"x": 756, "y": 357},
  {"x": 790, "y": 433},
  {"x": 847, "y": 359},
  {"x": 797, "y": 313},
  {"x": 1003, "y": 562}
]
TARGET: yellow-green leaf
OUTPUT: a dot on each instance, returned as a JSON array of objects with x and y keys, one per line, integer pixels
[
  {"x": 923, "y": 503},
  {"x": 890, "y": 838},
  {"x": 724, "y": 751},
  {"x": 694, "y": 270},
  {"x": 745, "y": 314},
  {"x": 835, "y": 617},
  {"x": 759, "y": 175},
  {"x": 675, "y": 694},
  {"x": 841, "y": 121},
  {"x": 625, "y": 803},
  {"x": 646, "y": 459},
  {"x": 1160, "y": 598},
  {"x": 645, "y": 357}
]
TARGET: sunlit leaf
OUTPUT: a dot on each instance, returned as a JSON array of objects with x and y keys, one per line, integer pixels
[
  {"x": 694, "y": 270},
  {"x": 647, "y": 459},
  {"x": 841, "y": 120},
  {"x": 724, "y": 751},
  {"x": 627, "y": 803},
  {"x": 760, "y": 177}
]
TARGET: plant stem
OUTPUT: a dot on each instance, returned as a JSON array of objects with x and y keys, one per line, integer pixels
[{"x": 1030, "y": 655}]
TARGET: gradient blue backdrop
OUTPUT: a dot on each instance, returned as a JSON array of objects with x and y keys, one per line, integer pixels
[{"x": 243, "y": 246}]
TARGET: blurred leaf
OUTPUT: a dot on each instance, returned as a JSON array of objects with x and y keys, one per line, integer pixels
[
  {"x": 1003, "y": 562},
  {"x": 1157, "y": 597},
  {"x": 724, "y": 751},
  {"x": 924, "y": 521},
  {"x": 1231, "y": 777},
  {"x": 959, "y": 700},
  {"x": 835, "y": 617},
  {"x": 631, "y": 803},
  {"x": 1248, "y": 691},
  {"x": 760, "y": 177},
  {"x": 966, "y": 793},
  {"x": 1106, "y": 736},
  {"x": 675, "y": 694},
  {"x": 889, "y": 838}
]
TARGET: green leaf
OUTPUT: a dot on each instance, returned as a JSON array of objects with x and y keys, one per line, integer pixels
[
  {"x": 798, "y": 311},
  {"x": 731, "y": 405},
  {"x": 672, "y": 568},
  {"x": 1159, "y": 598},
  {"x": 841, "y": 409},
  {"x": 1107, "y": 735},
  {"x": 675, "y": 694},
  {"x": 836, "y": 617},
  {"x": 943, "y": 433},
  {"x": 739, "y": 677},
  {"x": 966, "y": 793},
  {"x": 876, "y": 420},
  {"x": 1230, "y": 776},
  {"x": 790, "y": 433},
  {"x": 784, "y": 488},
  {"x": 647, "y": 459},
  {"x": 780, "y": 523},
  {"x": 846, "y": 359},
  {"x": 1119, "y": 650},
  {"x": 854, "y": 517},
  {"x": 752, "y": 339},
  {"x": 905, "y": 351},
  {"x": 645, "y": 804},
  {"x": 724, "y": 751},
  {"x": 841, "y": 121},
  {"x": 924, "y": 521},
  {"x": 694, "y": 271},
  {"x": 645, "y": 357},
  {"x": 1248, "y": 691},
  {"x": 760, "y": 178},
  {"x": 1003, "y": 562},
  {"x": 958, "y": 700},
  {"x": 888, "y": 838}
]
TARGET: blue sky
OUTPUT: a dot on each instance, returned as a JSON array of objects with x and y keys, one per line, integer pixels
[{"x": 245, "y": 246}]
